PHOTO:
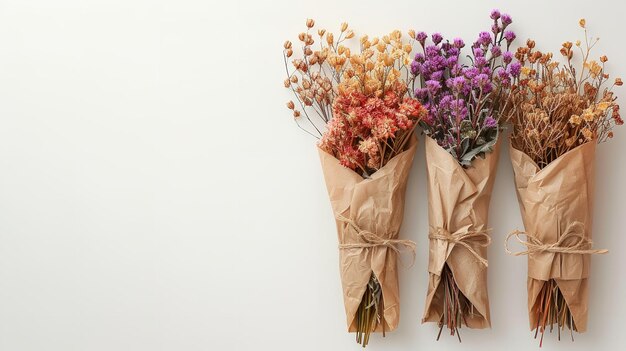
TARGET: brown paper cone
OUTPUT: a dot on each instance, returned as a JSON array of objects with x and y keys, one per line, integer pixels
[
  {"x": 377, "y": 205},
  {"x": 550, "y": 200},
  {"x": 458, "y": 201}
]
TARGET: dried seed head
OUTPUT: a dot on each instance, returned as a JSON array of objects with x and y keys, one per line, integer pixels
[
  {"x": 344, "y": 27},
  {"x": 287, "y": 83},
  {"x": 530, "y": 43},
  {"x": 603, "y": 58},
  {"x": 289, "y": 52},
  {"x": 350, "y": 34},
  {"x": 321, "y": 32},
  {"x": 310, "y": 23},
  {"x": 291, "y": 105},
  {"x": 296, "y": 114},
  {"x": 411, "y": 33},
  {"x": 302, "y": 36},
  {"x": 618, "y": 82},
  {"x": 294, "y": 79},
  {"x": 582, "y": 23},
  {"x": 330, "y": 39},
  {"x": 287, "y": 44}
]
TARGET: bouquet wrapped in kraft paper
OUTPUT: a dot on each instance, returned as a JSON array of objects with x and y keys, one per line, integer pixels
[
  {"x": 357, "y": 104},
  {"x": 369, "y": 215},
  {"x": 561, "y": 111},
  {"x": 458, "y": 208},
  {"x": 556, "y": 203},
  {"x": 468, "y": 104}
]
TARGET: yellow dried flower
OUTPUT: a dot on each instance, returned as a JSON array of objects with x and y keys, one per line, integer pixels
[
  {"x": 575, "y": 120},
  {"x": 603, "y": 106},
  {"x": 587, "y": 115},
  {"x": 588, "y": 134},
  {"x": 582, "y": 23},
  {"x": 344, "y": 27},
  {"x": 330, "y": 39},
  {"x": 350, "y": 34},
  {"x": 411, "y": 33}
]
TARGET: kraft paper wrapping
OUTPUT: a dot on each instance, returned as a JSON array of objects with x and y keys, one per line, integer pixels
[
  {"x": 458, "y": 201},
  {"x": 377, "y": 205},
  {"x": 550, "y": 200}
]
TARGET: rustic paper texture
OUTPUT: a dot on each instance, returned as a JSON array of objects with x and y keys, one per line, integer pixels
[
  {"x": 550, "y": 200},
  {"x": 458, "y": 201},
  {"x": 377, "y": 205}
]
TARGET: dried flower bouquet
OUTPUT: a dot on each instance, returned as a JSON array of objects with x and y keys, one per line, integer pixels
[
  {"x": 561, "y": 111},
  {"x": 467, "y": 103},
  {"x": 357, "y": 104}
]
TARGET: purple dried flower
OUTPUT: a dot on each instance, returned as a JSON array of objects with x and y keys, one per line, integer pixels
[
  {"x": 481, "y": 80},
  {"x": 484, "y": 38},
  {"x": 437, "y": 38},
  {"x": 506, "y": 19},
  {"x": 495, "y": 28},
  {"x": 421, "y": 37},
  {"x": 457, "y": 83},
  {"x": 458, "y": 43},
  {"x": 507, "y": 57},
  {"x": 495, "y": 14},
  {"x": 515, "y": 68},
  {"x": 432, "y": 51},
  {"x": 480, "y": 61},
  {"x": 437, "y": 75},
  {"x": 478, "y": 52},
  {"x": 453, "y": 51},
  {"x": 471, "y": 72},
  {"x": 433, "y": 86},
  {"x": 490, "y": 122},
  {"x": 415, "y": 67},
  {"x": 421, "y": 93},
  {"x": 496, "y": 51},
  {"x": 509, "y": 36},
  {"x": 452, "y": 61}
]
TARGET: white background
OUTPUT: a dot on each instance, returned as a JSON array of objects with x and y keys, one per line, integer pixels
[{"x": 155, "y": 193}]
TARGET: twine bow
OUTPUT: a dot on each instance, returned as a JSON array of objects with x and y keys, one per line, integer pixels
[
  {"x": 576, "y": 230},
  {"x": 463, "y": 238},
  {"x": 370, "y": 239}
]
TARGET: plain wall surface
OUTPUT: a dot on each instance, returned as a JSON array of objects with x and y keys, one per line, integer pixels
[{"x": 155, "y": 193}]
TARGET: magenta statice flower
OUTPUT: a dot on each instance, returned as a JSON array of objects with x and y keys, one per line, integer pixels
[
  {"x": 490, "y": 122},
  {"x": 463, "y": 97},
  {"x": 506, "y": 19},
  {"x": 509, "y": 36},
  {"x": 437, "y": 38},
  {"x": 421, "y": 37}
]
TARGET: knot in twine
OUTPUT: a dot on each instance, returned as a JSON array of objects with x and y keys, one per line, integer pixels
[
  {"x": 576, "y": 230},
  {"x": 463, "y": 238},
  {"x": 370, "y": 239}
]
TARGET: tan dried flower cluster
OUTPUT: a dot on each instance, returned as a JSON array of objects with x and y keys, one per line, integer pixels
[
  {"x": 314, "y": 75},
  {"x": 317, "y": 76},
  {"x": 558, "y": 107}
]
